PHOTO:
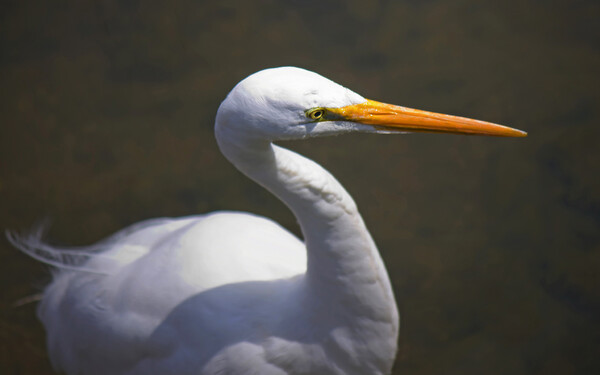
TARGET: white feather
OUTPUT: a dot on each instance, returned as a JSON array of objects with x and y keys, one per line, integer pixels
[{"x": 230, "y": 292}]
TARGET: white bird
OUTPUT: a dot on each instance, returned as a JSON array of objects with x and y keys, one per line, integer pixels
[{"x": 231, "y": 292}]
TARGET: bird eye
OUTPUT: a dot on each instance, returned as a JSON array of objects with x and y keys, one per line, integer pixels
[{"x": 316, "y": 114}]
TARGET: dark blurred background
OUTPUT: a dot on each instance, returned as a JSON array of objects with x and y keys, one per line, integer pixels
[{"x": 493, "y": 245}]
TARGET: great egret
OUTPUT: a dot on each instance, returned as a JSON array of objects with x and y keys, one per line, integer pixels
[{"x": 231, "y": 292}]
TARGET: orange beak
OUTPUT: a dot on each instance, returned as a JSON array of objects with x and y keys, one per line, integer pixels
[{"x": 390, "y": 117}]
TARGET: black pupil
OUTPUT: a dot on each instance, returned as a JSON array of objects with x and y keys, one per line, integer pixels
[{"x": 317, "y": 114}]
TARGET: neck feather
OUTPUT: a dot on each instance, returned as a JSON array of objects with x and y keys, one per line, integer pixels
[{"x": 342, "y": 257}]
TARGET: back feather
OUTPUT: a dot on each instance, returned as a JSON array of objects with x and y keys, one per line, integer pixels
[{"x": 69, "y": 258}]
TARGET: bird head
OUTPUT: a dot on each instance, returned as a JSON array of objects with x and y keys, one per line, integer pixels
[{"x": 291, "y": 103}]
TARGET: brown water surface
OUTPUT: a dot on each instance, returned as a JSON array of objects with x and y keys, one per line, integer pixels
[{"x": 493, "y": 245}]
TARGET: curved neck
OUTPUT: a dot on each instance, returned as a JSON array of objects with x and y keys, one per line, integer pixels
[{"x": 342, "y": 257}]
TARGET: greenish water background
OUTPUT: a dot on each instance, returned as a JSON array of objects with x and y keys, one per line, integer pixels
[{"x": 493, "y": 245}]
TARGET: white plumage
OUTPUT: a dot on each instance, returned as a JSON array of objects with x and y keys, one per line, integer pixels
[{"x": 231, "y": 292}]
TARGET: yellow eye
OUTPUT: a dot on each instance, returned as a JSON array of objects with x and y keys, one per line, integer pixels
[{"x": 316, "y": 114}]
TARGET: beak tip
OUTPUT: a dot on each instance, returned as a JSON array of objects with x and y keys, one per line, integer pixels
[{"x": 520, "y": 133}]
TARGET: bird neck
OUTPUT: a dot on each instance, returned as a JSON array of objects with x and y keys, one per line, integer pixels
[{"x": 342, "y": 259}]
